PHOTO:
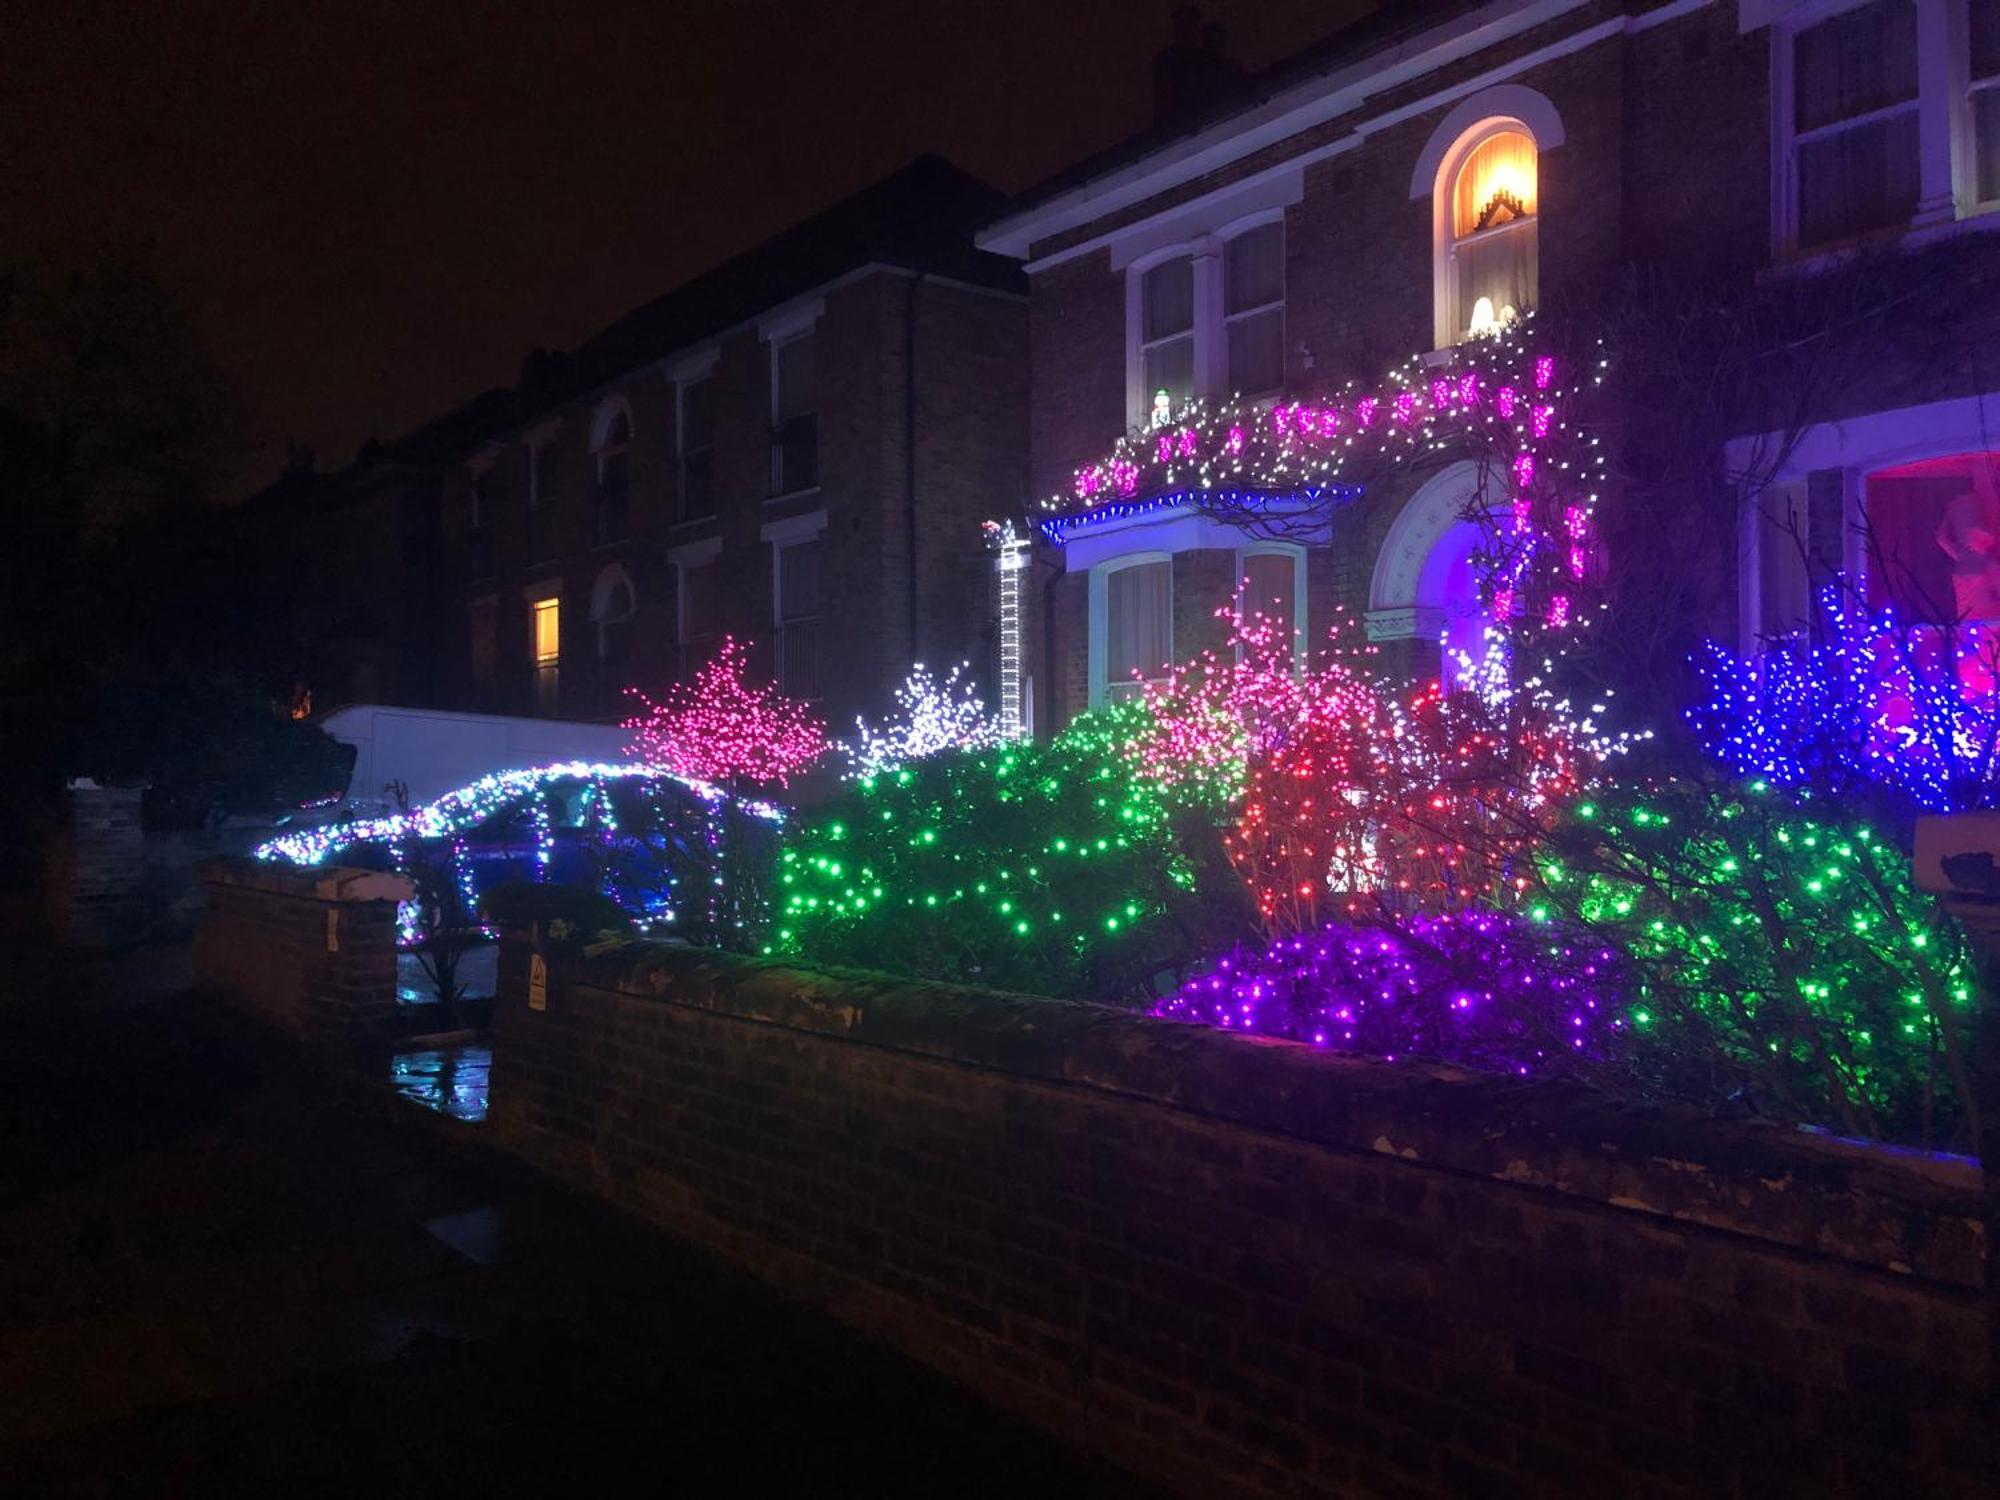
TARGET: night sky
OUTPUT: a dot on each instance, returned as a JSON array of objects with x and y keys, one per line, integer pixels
[{"x": 376, "y": 209}]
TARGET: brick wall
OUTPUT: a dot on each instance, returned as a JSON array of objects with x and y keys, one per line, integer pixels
[
  {"x": 311, "y": 951},
  {"x": 971, "y": 464},
  {"x": 1246, "y": 1267},
  {"x": 97, "y": 873}
]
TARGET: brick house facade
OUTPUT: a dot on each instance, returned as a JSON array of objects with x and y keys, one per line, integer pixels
[
  {"x": 796, "y": 448},
  {"x": 1686, "y": 145}
]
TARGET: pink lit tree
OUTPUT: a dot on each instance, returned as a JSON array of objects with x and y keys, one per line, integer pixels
[{"x": 720, "y": 728}]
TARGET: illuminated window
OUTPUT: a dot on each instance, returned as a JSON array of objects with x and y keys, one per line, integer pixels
[
  {"x": 1489, "y": 259},
  {"x": 548, "y": 654},
  {"x": 1932, "y": 532}
]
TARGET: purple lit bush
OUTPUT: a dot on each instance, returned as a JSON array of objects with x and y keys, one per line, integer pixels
[{"x": 1475, "y": 988}]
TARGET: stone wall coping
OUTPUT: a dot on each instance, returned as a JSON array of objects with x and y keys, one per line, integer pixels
[
  {"x": 1903, "y": 1211},
  {"x": 340, "y": 883}
]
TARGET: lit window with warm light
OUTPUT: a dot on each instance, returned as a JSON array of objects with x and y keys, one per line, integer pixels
[
  {"x": 548, "y": 653},
  {"x": 1490, "y": 259}
]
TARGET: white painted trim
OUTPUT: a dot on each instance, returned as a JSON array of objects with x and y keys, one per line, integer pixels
[
  {"x": 695, "y": 554},
  {"x": 1176, "y": 165},
  {"x": 793, "y": 529},
  {"x": 1267, "y": 195},
  {"x": 1301, "y": 606},
  {"x": 608, "y": 410},
  {"x": 1099, "y": 616},
  {"x": 1529, "y": 108},
  {"x": 792, "y": 321},
  {"x": 600, "y": 591},
  {"x": 1311, "y": 103},
  {"x": 1858, "y": 447},
  {"x": 697, "y": 365},
  {"x": 1478, "y": 128},
  {"x": 1179, "y": 528},
  {"x": 1420, "y": 524}
]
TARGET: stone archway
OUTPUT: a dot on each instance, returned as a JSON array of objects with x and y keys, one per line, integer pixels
[{"x": 1425, "y": 586}]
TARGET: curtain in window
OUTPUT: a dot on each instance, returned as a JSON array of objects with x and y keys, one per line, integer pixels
[
  {"x": 1167, "y": 329},
  {"x": 1253, "y": 302},
  {"x": 1861, "y": 60},
  {"x": 1269, "y": 585},
  {"x": 1858, "y": 179},
  {"x": 1139, "y": 626},
  {"x": 1498, "y": 172},
  {"x": 1498, "y": 266}
]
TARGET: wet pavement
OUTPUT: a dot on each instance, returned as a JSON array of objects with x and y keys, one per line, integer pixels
[{"x": 217, "y": 1277}]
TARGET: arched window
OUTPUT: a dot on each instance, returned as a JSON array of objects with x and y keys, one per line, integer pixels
[
  {"x": 612, "y": 451},
  {"x": 1487, "y": 250},
  {"x": 613, "y": 604}
]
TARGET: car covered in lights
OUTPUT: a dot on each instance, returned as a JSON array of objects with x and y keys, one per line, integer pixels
[{"x": 680, "y": 856}]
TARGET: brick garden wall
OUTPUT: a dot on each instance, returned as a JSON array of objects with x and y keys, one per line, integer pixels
[
  {"x": 311, "y": 951},
  {"x": 1245, "y": 1267}
]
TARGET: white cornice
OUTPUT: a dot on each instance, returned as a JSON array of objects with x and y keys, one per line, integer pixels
[{"x": 1312, "y": 103}]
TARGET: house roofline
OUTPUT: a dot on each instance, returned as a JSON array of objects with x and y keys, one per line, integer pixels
[{"x": 1265, "y": 122}]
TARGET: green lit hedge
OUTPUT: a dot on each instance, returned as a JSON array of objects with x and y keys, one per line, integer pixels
[{"x": 1046, "y": 867}]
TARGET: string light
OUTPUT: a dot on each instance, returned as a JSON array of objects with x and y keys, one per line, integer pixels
[
  {"x": 1777, "y": 952},
  {"x": 1869, "y": 700},
  {"x": 932, "y": 716},
  {"x": 568, "y": 795},
  {"x": 1045, "y": 866},
  {"x": 718, "y": 728},
  {"x": 1475, "y": 988}
]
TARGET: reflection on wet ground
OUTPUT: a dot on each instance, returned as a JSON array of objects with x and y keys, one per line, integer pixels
[
  {"x": 450, "y": 1080},
  {"x": 478, "y": 972}
]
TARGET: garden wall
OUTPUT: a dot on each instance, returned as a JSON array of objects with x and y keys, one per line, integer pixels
[
  {"x": 310, "y": 950},
  {"x": 1244, "y": 1267}
]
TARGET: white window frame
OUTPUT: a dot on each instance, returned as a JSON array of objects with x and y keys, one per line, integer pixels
[
  {"x": 1235, "y": 232},
  {"x": 1475, "y": 117},
  {"x": 1210, "y": 327},
  {"x": 792, "y": 531},
  {"x": 684, "y": 560},
  {"x": 690, "y": 372},
  {"x": 1297, "y": 554},
  {"x": 608, "y": 578},
  {"x": 1946, "y": 173},
  {"x": 1445, "y": 238},
  {"x": 1100, "y": 614},
  {"x": 1857, "y": 447}
]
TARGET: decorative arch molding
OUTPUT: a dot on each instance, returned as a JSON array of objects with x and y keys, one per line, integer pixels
[
  {"x": 1531, "y": 108},
  {"x": 1407, "y": 593},
  {"x": 604, "y": 590},
  {"x": 608, "y": 411}
]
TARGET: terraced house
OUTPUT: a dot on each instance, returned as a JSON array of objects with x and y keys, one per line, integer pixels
[
  {"x": 796, "y": 448},
  {"x": 1776, "y": 213}
]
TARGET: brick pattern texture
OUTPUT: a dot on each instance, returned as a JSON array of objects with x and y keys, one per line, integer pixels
[
  {"x": 1245, "y": 1268},
  {"x": 97, "y": 879},
  {"x": 310, "y": 951}
]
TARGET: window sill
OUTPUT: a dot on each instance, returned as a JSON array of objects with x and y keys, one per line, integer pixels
[
  {"x": 693, "y": 523},
  {"x": 811, "y": 489},
  {"x": 1984, "y": 219}
]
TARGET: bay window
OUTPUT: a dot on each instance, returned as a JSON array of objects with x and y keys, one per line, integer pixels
[{"x": 1138, "y": 634}]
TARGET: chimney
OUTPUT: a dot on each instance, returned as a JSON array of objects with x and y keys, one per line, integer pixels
[{"x": 1193, "y": 70}]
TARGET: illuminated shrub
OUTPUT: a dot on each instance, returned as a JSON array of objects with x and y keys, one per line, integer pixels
[
  {"x": 1478, "y": 988},
  {"x": 1778, "y": 953},
  {"x": 1044, "y": 867}
]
